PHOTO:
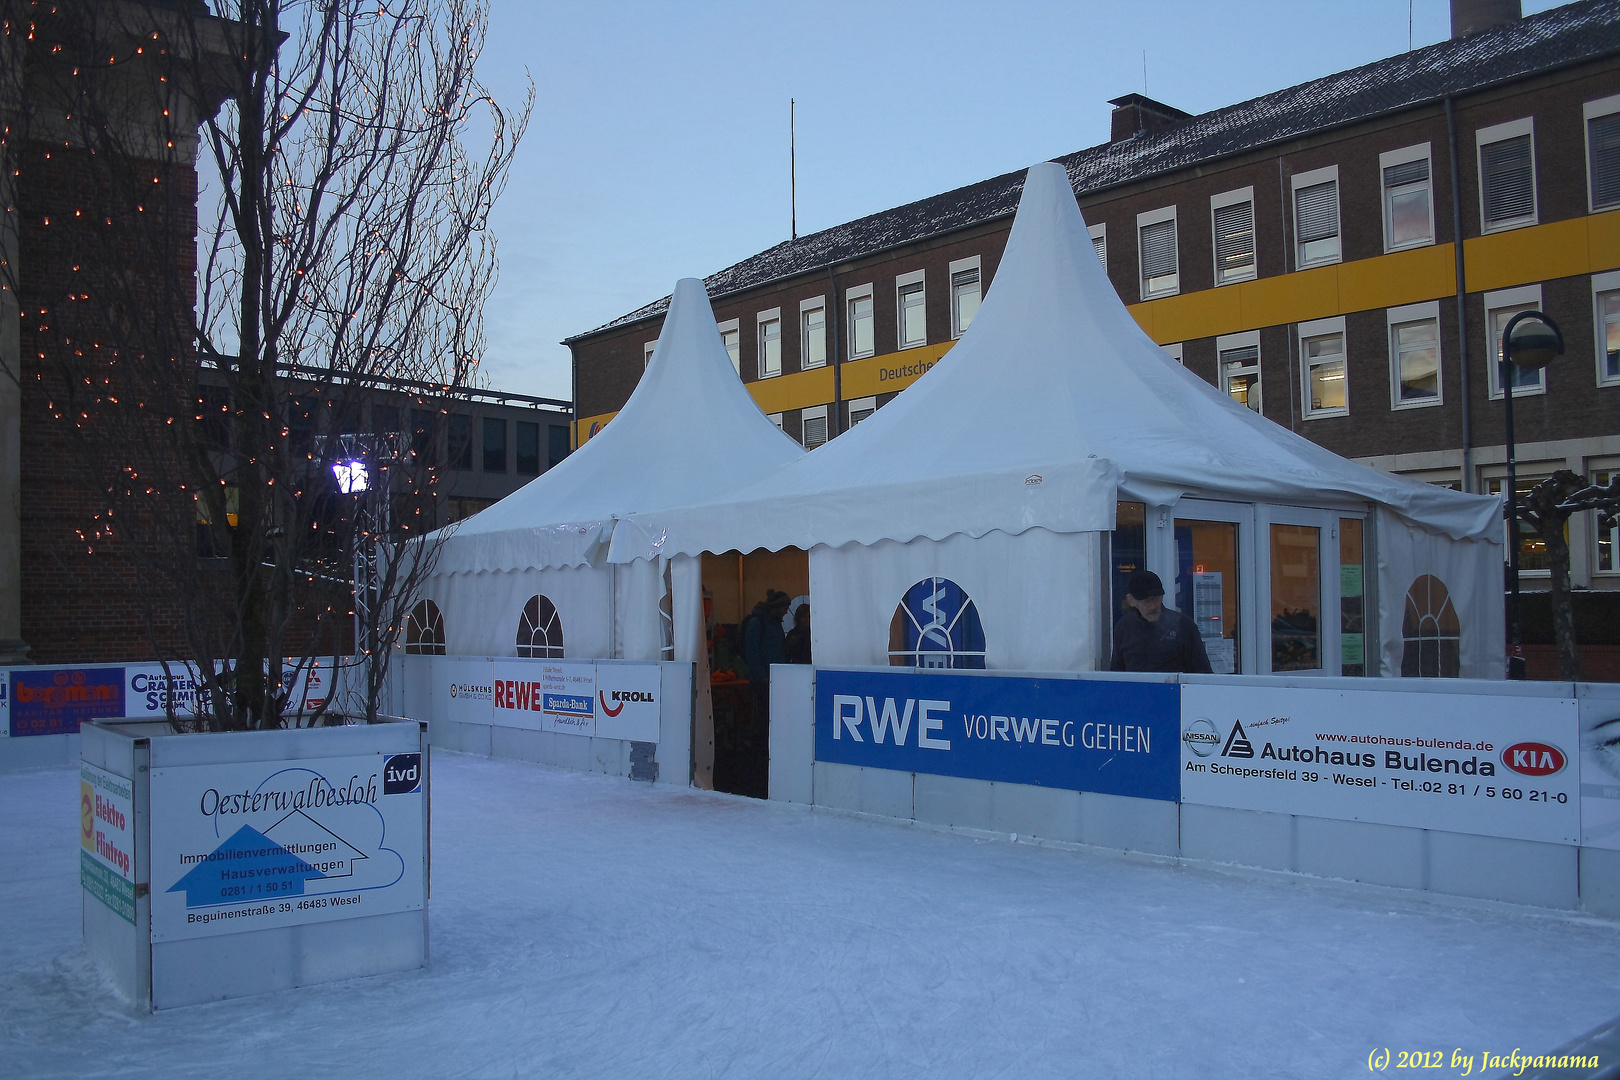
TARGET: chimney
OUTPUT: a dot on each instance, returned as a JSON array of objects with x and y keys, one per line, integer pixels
[
  {"x": 1135, "y": 114},
  {"x": 1472, "y": 16}
]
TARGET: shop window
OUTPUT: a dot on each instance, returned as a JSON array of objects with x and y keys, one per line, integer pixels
[
  {"x": 966, "y": 292},
  {"x": 1296, "y": 598},
  {"x": 1414, "y": 355},
  {"x": 1500, "y": 307},
  {"x": 1606, "y": 308},
  {"x": 770, "y": 343},
  {"x": 1603, "y": 153},
  {"x": 731, "y": 338},
  {"x": 1507, "y": 175},
  {"x": 911, "y": 303},
  {"x": 1232, "y": 219},
  {"x": 1316, "y": 217},
  {"x": 1430, "y": 633},
  {"x": 1207, "y": 588},
  {"x": 528, "y": 448},
  {"x": 1352, "y": 598},
  {"x": 813, "y": 333},
  {"x": 936, "y": 625},
  {"x": 1240, "y": 367},
  {"x": 1408, "y": 198},
  {"x": 1156, "y": 244},
  {"x": 424, "y": 630},
  {"x": 540, "y": 631},
  {"x": 494, "y": 444},
  {"x": 1321, "y": 350},
  {"x": 862, "y": 336}
]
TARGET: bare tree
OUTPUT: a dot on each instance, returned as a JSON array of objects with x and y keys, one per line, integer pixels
[
  {"x": 1547, "y": 509},
  {"x": 215, "y": 343}
]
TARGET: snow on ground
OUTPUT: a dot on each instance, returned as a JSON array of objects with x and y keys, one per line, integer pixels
[{"x": 584, "y": 926}]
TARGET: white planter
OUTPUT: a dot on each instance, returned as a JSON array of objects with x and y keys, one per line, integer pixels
[{"x": 229, "y": 864}]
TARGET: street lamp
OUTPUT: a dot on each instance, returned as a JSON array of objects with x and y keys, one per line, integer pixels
[{"x": 1531, "y": 341}]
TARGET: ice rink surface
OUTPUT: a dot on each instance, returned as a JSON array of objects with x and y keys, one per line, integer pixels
[{"x": 584, "y": 926}]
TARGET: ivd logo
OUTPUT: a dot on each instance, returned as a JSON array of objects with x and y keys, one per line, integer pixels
[{"x": 402, "y": 774}]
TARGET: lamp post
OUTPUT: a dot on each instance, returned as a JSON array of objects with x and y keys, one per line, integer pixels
[{"x": 1531, "y": 341}]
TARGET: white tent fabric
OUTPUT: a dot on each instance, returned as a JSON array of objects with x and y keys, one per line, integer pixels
[
  {"x": 690, "y": 433},
  {"x": 1420, "y": 577},
  {"x": 1052, "y": 405}
]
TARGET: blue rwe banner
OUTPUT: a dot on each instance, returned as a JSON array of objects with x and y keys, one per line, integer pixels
[{"x": 1118, "y": 738}]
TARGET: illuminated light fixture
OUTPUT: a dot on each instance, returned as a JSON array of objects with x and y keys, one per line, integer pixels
[{"x": 352, "y": 477}]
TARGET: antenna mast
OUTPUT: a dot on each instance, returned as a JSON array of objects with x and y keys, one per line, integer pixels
[{"x": 793, "y": 171}]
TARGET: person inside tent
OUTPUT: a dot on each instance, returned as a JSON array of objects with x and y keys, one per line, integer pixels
[
  {"x": 1152, "y": 637},
  {"x": 764, "y": 644},
  {"x": 798, "y": 638}
]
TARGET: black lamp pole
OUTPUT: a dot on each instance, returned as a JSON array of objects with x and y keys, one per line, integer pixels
[{"x": 1532, "y": 347}]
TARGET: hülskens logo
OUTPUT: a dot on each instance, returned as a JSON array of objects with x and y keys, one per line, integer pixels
[
  {"x": 1237, "y": 744},
  {"x": 619, "y": 697},
  {"x": 472, "y": 690},
  {"x": 1533, "y": 758},
  {"x": 1201, "y": 737}
]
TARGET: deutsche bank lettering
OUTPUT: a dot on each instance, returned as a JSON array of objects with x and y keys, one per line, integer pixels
[{"x": 1117, "y": 738}]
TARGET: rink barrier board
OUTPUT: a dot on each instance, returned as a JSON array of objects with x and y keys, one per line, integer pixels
[{"x": 1501, "y": 868}]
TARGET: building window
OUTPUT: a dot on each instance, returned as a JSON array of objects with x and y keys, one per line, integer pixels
[
  {"x": 813, "y": 423},
  {"x": 860, "y": 408},
  {"x": 731, "y": 338},
  {"x": 494, "y": 444},
  {"x": 647, "y": 350},
  {"x": 910, "y": 303},
  {"x": 966, "y": 292},
  {"x": 528, "y": 448},
  {"x": 1507, "y": 175},
  {"x": 770, "y": 343},
  {"x": 1500, "y": 307},
  {"x": 1232, "y": 217},
  {"x": 1603, "y": 153},
  {"x": 1156, "y": 237},
  {"x": 557, "y": 444},
  {"x": 1322, "y": 351},
  {"x": 862, "y": 339},
  {"x": 1606, "y": 308},
  {"x": 936, "y": 625},
  {"x": 1099, "y": 241},
  {"x": 1414, "y": 355},
  {"x": 1533, "y": 558},
  {"x": 1408, "y": 198},
  {"x": 1239, "y": 365},
  {"x": 775, "y": 418},
  {"x": 812, "y": 333},
  {"x": 424, "y": 630},
  {"x": 1174, "y": 351},
  {"x": 540, "y": 632},
  {"x": 460, "y": 442},
  {"x": 1316, "y": 217},
  {"x": 1606, "y": 552}
]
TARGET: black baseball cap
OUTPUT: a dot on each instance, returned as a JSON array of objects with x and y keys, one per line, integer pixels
[{"x": 1145, "y": 585}]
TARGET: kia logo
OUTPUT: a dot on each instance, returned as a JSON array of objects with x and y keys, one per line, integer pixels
[{"x": 1533, "y": 758}]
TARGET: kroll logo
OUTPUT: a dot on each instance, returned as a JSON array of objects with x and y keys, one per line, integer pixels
[
  {"x": 1237, "y": 744},
  {"x": 1533, "y": 758},
  {"x": 619, "y": 697},
  {"x": 1201, "y": 737}
]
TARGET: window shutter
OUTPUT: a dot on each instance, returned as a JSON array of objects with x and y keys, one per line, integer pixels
[
  {"x": 1510, "y": 189},
  {"x": 1409, "y": 172},
  {"x": 1316, "y": 212},
  {"x": 815, "y": 431},
  {"x": 1098, "y": 244},
  {"x": 1158, "y": 249},
  {"x": 1234, "y": 236},
  {"x": 1603, "y": 134}
]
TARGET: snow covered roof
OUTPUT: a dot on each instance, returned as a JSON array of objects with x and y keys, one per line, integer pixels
[
  {"x": 690, "y": 432},
  {"x": 1051, "y": 406},
  {"x": 1552, "y": 39}
]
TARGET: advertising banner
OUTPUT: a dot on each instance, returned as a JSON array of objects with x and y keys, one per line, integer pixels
[
  {"x": 249, "y": 845},
  {"x": 1468, "y": 763},
  {"x": 465, "y": 688},
  {"x": 627, "y": 701},
  {"x": 47, "y": 701},
  {"x": 107, "y": 839},
  {"x": 1118, "y": 738},
  {"x": 1600, "y": 767},
  {"x": 5, "y": 704},
  {"x": 547, "y": 695},
  {"x": 148, "y": 689}
]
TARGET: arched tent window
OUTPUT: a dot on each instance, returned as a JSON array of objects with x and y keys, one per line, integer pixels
[
  {"x": 1430, "y": 632},
  {"x": 539, "y": 632},
  {"x": 424, "y": 630},
  {"x": 936, "y": 625}
]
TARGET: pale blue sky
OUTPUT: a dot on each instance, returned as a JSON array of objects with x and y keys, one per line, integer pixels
[{"x": 659, "y": 143}]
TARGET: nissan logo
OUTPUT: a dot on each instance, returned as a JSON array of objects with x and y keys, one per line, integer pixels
[{"x": 1201, "y": 737}]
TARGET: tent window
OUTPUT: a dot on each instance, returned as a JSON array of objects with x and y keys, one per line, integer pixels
[
  {"x": 1431, "y": 635},
  {"x": 936, "y": 625},
  {"x": 539, "y": 632},
  {"x": 424, "y": 630}
]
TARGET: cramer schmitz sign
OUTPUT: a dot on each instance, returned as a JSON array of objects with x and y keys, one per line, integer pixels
[
  {"x": 1495, "y": 766},
  {"x": 578, "y": 697}
]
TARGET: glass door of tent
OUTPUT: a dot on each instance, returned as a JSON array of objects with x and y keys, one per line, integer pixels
[
  {"x": 1300, "y": 594},
  {"x": 1214, "y": 570}
]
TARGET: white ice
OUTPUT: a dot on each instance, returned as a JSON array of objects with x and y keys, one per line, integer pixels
[{"x": 584, "y": 926}]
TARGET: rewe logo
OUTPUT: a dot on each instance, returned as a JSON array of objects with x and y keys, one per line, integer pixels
[
  {"x": 402, "y": 774},
  {"x": 1237, "y": 744},
  {"x": 1533, "y": 758}
]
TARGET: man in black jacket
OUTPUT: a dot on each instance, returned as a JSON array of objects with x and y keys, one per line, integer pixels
[{"x": 1152, "y": 637}]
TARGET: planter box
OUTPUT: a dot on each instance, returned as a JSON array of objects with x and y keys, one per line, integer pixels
[{"x": 228, "y": 864}]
